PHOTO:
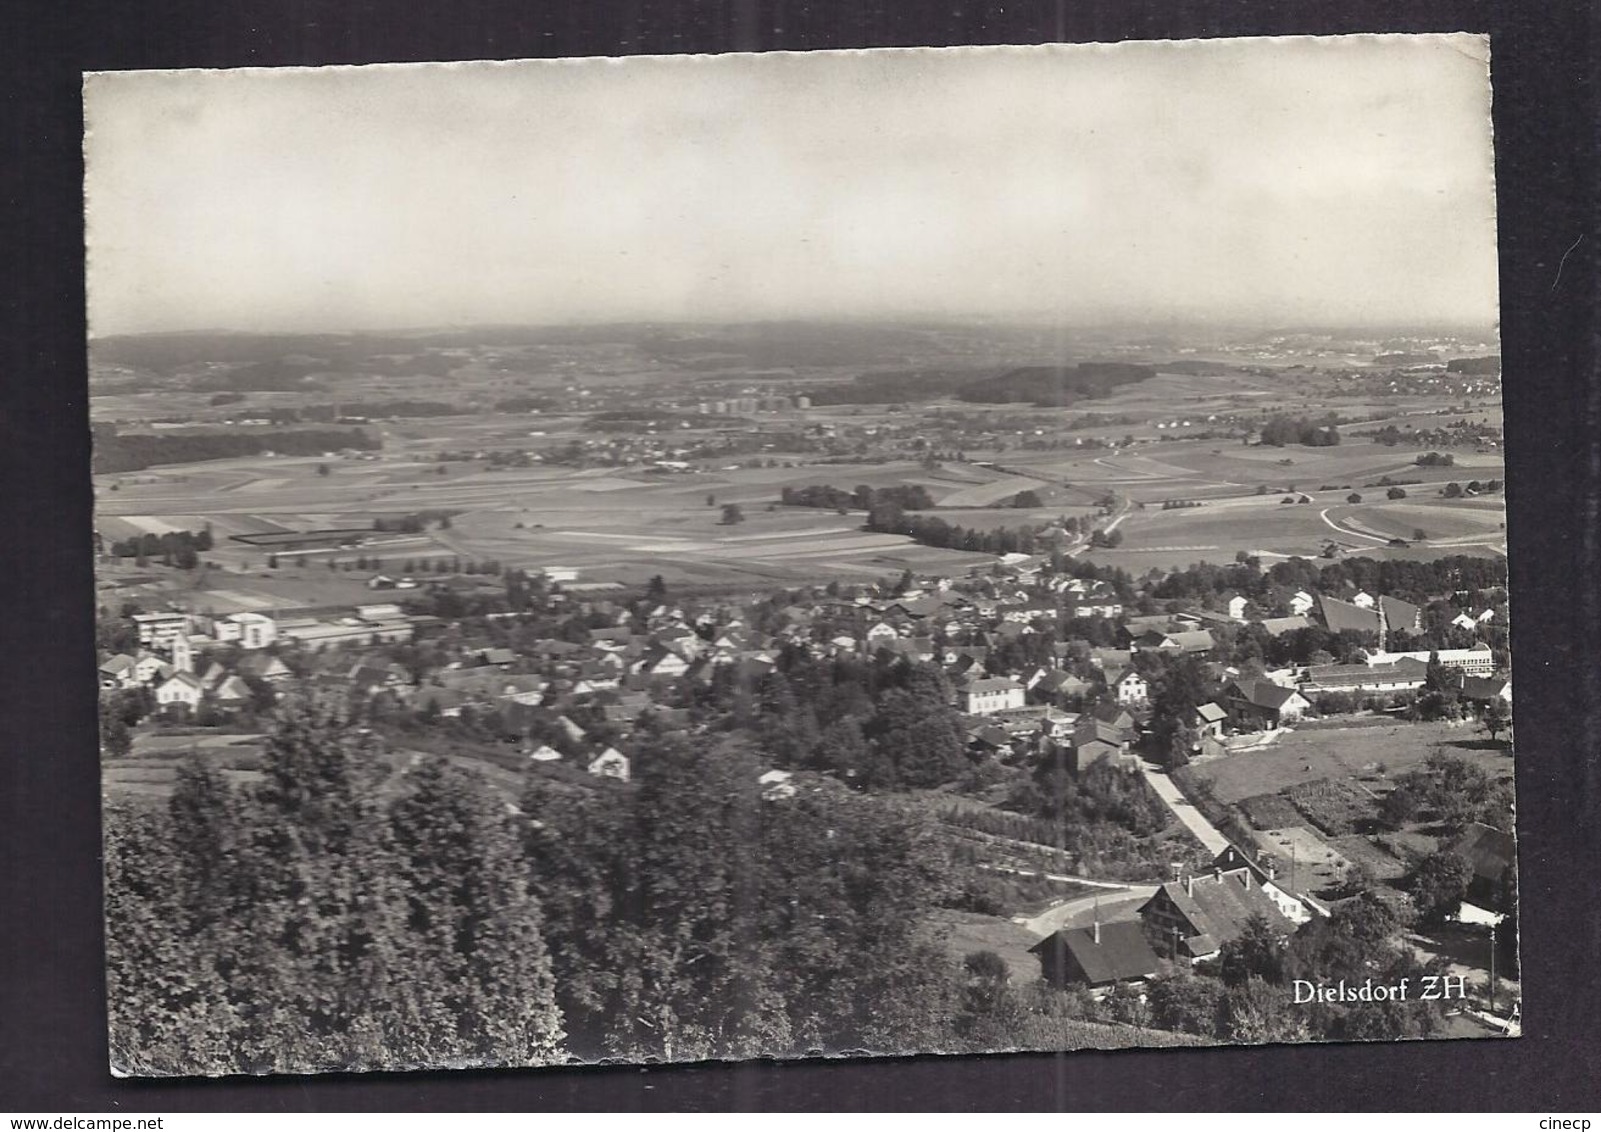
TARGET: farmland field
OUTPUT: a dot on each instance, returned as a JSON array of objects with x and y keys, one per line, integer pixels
[{"x": 1344, "y": 754}]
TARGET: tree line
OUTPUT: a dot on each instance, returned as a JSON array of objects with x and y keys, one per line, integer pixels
[
  {"x": 174, "y": 548},
  {"x": 131, "y": 452},
  {"x": 908, "y": 497},
  {"x": 930, "y": 530}
]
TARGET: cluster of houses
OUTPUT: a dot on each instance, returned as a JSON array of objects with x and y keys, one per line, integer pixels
[
  {"x": 1076, "y": 703},
  {"x": 1190, "y": 920},
  {"x": 1184, "y": 922},
  {"x": 178, "y": 654}
]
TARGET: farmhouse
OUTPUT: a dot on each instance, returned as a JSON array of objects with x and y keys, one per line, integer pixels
[
  {"x": 1098, "y": 956},
  {"x": 1261, "y": 705},
  {"x": 1195, "y": 917},
  {"x": 1297, "y": 908}
]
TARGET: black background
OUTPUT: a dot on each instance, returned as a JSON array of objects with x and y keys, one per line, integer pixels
[{"x": 52, "y": 1042}]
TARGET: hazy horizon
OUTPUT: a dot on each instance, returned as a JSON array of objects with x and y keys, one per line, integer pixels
[{"x": 1294, "y": 184}]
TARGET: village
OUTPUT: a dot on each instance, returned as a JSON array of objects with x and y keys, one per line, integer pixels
[{"x": 1044, "y": 665}]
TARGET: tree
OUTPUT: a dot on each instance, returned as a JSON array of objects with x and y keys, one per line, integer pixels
[
  {"x": 1256, "y": 953},
  {"x": 656, "y": 588},
  {"x": 1438, "y": 885},
  {"x": 1027, "y": 499},
  {"x": 272, "y": 562},
  {"x": 115, "y": 737},
  {"x": 323, "y": 470},
  {"x": 1354, "y": 497},
  {"x": 1453, "y": 491},
  {"x": 1399, "y": 807},
  {"x": 1395, "y": 493},
  {"x": 1186, "y": 1002},
  {"x": 1258, "y": 1011},
  {"x": 479, "y": 986},
  {"x": 990, "y": 1012},
  {"x": 732, "y": 513},
  {"x": 1496, "y": 717}
]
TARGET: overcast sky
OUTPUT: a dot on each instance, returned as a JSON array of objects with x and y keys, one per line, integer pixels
[{"x": 1311, "y": 180}]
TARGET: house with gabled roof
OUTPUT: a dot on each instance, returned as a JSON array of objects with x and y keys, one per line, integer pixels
[
  {"x": 610, "y": 763},
  {"x": 1097, "y": 957},
  {"x": 231, "y": 691},
  {"x": 264, "y": 666},
  {"x": 1209, "y": 720},
  {"x": 1095, "y": 741},
  {"x": 148, "y": 667},
  {"x": 662, "y": 662},
  {"x": 1483, "y": 689},
  {"x": 1128, "y": 686},
  {"x": 119, "y": 672},
  {"x": 1193, "y": 918},
  {"x": 180, "y": 689},
  {"x": 1278, "y": 626},
  {"x": 1261, "y": 705},
  {"x": 1342, "y": 616}
]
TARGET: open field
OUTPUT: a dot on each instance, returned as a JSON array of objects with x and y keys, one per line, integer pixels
[
  {"x": 967, "y": 932},
  {"x": 1345, "y": 754},
  {"x": 615, "y": 512}
]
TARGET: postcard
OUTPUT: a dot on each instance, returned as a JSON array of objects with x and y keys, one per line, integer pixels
[{"x": 914, "y": 551}]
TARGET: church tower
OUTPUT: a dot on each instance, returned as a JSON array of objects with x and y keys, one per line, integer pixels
[{"x": 183, "y": 657}]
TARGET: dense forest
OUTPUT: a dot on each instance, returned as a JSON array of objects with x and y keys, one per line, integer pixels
[
  {"x": 131, "y": 452},
  {"x": 352, "y": 909}
]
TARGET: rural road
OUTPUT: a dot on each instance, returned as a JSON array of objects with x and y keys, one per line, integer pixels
[
  {"x": 1167, "y": 790},
  {"x": 1082, "y": 910},
  {"x": 1324, "y": 515}
]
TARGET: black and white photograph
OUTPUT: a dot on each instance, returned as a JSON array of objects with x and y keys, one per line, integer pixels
[{"x": 800, "y": 555}]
